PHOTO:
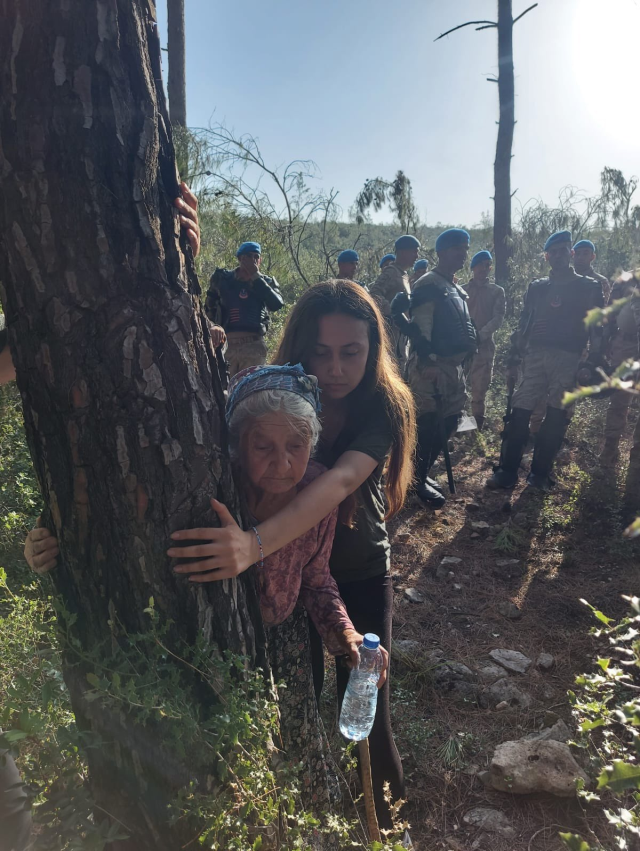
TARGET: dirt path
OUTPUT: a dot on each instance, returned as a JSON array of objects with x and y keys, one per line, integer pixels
[{"x": 568, "y": 546}]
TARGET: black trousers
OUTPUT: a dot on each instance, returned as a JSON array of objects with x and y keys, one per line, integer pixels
[
  {"x": 369, "y": 603},
  {"x": 430, "y": 442}
]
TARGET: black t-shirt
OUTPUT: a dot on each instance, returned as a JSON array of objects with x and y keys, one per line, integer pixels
[{"x": 362, "y": 550}]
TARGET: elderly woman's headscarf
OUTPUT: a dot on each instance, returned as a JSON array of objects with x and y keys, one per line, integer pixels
[{"x": 292, "y": 379}]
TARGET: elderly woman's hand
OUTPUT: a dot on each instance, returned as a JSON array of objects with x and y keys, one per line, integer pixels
[
  {"x": 226, "y": 552},
  {"x": 41, "y": 550},
  {"x": 351, "y": 641}
]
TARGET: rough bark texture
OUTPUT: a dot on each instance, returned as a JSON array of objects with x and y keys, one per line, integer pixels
[
  {"x": 502, "y": 165},
  {"x": 176, "y": 49},
  {"x": 117, "y": 374}
]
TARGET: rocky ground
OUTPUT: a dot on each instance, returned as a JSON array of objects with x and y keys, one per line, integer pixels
[{"x": 489, "y": 635}]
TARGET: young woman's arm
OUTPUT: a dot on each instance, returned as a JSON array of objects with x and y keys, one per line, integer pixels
[{"x": 228, "y": 551}]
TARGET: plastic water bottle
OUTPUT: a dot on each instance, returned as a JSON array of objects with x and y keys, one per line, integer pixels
[{"x": 361, "y": 696}]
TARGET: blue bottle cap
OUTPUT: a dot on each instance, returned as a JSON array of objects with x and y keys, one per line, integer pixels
[{"x": 371, "y": 641}]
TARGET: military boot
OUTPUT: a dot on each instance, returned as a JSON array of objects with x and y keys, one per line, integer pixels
[
  {"x": 516, "y": 434},
  {"x": 548, "y": 444},
  {"x": 610, "y": 454},
  {"x": 429, "y": 495}
]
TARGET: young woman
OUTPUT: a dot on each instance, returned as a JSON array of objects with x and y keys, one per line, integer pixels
[{"x": 337, "y": 333}]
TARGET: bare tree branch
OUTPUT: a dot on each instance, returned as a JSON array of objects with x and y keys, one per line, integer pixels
[
  {"x": 468, "y": 24},
  {"x": 522, "y": 14}
]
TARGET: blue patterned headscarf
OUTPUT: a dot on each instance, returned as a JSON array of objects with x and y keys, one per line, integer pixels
[{"x": 292, "y": 379}]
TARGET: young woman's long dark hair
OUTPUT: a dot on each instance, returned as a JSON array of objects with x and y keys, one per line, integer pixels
[{"x": 381, "y": 378}]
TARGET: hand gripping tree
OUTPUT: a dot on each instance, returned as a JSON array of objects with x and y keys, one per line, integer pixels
[{"x": 122, "y": 400}]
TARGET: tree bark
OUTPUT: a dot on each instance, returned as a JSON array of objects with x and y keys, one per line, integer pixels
[
  {"x": 122, "y": 399},
  {"x": 502, "y": 165},
  {"x": 176, "y": 48}
]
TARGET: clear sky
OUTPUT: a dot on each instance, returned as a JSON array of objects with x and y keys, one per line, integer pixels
[{"x": 360, "y": 87}]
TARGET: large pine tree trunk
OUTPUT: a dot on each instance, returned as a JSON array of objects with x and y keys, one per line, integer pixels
[
  {"x": 122, "y": 400},
  {"x": 176, "y": 49},
  {"x": 502, "y": 165}
]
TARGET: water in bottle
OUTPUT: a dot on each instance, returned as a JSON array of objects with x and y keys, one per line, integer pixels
[{"x": 361, "y": 696}]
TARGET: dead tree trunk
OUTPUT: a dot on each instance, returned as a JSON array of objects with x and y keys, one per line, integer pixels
[
  {"x": 176, "y": 49},
  {"x": 504, "y": 145},
  {"x": 114, "y": 363}
]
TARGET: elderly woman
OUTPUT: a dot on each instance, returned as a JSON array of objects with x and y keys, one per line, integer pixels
[{"x": 272, "y": 415}]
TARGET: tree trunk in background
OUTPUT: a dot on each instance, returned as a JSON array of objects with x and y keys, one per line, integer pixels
[
  {"x": 122, "y": 399},
  {"x": 176, "y": 48},
  {"x": 502, "y": 165}
]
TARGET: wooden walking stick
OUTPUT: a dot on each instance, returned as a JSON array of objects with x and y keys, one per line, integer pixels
[{"x": 367, "y": 789}]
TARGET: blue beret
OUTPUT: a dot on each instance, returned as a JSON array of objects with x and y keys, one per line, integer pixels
[
  {"x": 452, "y": 238},
  {"x": 249, "y": 248},
  {"x": 558, "y": 238},
  {"x": 585, "y": 243},
  {"x": 404, "y": 242},
  {"x": 421, "y": 266},
  {"x": 348, "y": 256},
  {"x": 387, "y": 257},
  {"x": 480, "y": 257}
]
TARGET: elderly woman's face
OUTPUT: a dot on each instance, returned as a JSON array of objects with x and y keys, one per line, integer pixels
[{"x": 274, "y": 453}]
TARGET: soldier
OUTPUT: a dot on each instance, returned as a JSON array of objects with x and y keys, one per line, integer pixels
[
  {"x": 393, "y": 279},
  {"x": 584, "y": 255},
  {"x": 348, "y": 262},
  {"x": 487, "y": 307},
  {"x": 552, "y": 336},
  {"x": 240, "y": 300},
  {"x": 621, "y": 334},
  {"x": 420, "y": 268},
  {"x": 442, "y": 337},
  {"x": 386, "y": 260}
]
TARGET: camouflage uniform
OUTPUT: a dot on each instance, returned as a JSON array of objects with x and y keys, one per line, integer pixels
[
  {"x": 391, "y": 281},
  {"x": 244, "y": 350},
  {"x": 605, "y": 283},
  {"x": 538, "y": 414},
  {"x": 487, "y": 309},
  {"x": 442, "y": 337},
  {"x": 242, "y": 309},
  {"x": 624, "y": 346},
  {"x": 552, "y": 332}
]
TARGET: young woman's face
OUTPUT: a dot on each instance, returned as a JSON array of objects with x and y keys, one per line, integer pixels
[
  {"x": 274, "y": 453},
  {"x": 339, "y": 358}
]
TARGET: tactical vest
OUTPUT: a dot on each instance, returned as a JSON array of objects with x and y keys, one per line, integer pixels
[
  {"x": 242, "y": 309},
  {"x": 453, "y": 332},
  {"x": 558, "y": 309}
]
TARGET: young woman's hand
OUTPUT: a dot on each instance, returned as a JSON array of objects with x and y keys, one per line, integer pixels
[
  {"x": 225, "y": 552},
  {"x": 41, "y": 550},
  {"x": 351, "y": 641},
  {"x": 187, "y": 204}
]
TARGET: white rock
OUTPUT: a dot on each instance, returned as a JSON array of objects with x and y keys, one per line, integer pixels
[
  {"x": 545, "y": 661},
  {"x": 504, "y": 691},
  {"x": 413, "y": 595},
  {"x": 523, "y": 768},
  {"x": 451, "y": 561},
  {"x": 512, "y": 660},
  {"x": 559, "y": 732},
  {"x": 481, "y": 524},
  {"x": 491, "y": 820},
  {"x": 490, "y": 673}
]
